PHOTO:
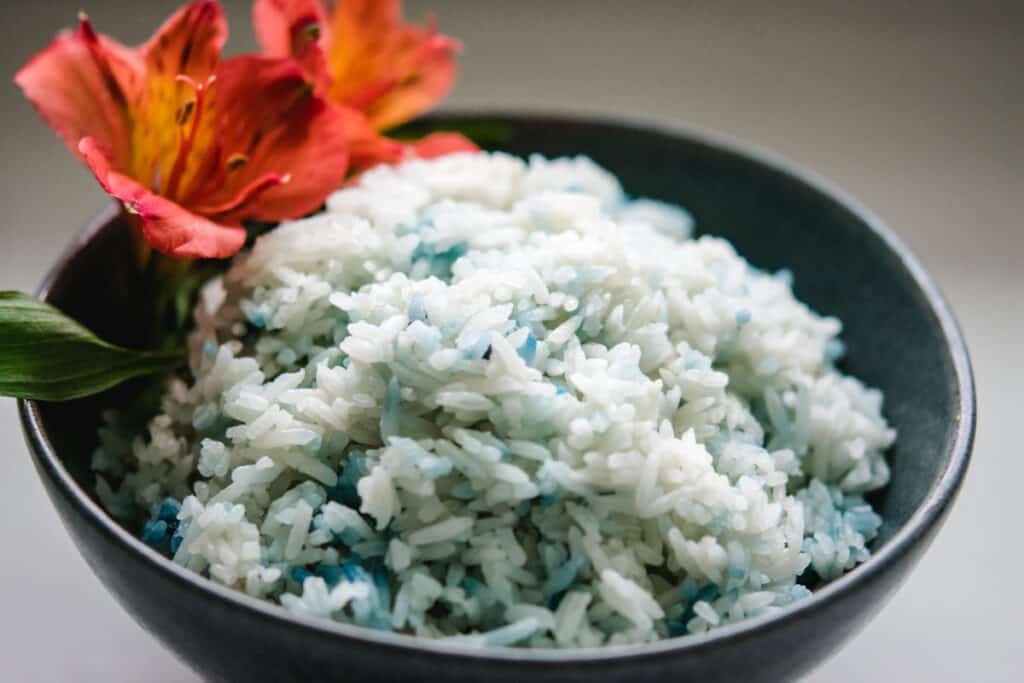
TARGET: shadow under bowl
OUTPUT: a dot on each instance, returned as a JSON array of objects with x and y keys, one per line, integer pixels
[{"x": 899, "y": 334}]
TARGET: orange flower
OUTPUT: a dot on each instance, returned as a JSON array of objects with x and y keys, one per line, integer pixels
[
  {"x": 191, "y": 144},
  {"x": 361, "y": 56}
]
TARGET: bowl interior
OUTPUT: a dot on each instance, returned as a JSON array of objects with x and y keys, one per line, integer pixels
[{"x": 841, "y": 267}]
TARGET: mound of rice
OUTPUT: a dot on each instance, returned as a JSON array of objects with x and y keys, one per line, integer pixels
[{"x": 501, "y": 402}]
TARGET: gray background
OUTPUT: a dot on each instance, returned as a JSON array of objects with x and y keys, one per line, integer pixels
[{"x": 914, "y": 107}]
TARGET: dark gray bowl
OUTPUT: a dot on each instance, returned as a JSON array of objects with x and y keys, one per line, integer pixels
[{"x": 900, "y": 337}]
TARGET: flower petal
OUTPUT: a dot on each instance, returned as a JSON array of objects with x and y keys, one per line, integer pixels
[
  {"x": 179, "y": 59},
  {"x": 296, "y": 29},
  {"x": 167, "y": 226},
  {"x": 189, "y": 43},
  {"x": 439, "y": 144},
  {"x": 245, "y": 196},
  {"x": 177, "y": 232},
  {"x": 367, "y": 147},
  {"x": 99, "y": 157},
  {"x": 269, "y": 121},
  {"x": 84, "y": 85},
  {"x": 390, "y": 70}
]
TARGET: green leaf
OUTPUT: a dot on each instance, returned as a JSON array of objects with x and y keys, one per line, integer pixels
[{"x": 47, "y": 356}]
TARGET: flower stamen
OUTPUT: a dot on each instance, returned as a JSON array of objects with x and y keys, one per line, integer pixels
[
  {"x": 311, "y": 31},
  {"x": 185, "y": 112},
  {"x": 185, "y": 146},
  {"x": 236, "y": 161}
]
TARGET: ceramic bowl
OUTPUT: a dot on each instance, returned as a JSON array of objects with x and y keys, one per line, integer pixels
[{"x": 900, "y": 337}]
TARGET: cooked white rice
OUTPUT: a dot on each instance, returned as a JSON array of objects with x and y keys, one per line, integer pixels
[{"x": 502, "y": 402}]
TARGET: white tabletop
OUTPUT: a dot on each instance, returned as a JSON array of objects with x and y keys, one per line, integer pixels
[{"x": 917, "y": 113}]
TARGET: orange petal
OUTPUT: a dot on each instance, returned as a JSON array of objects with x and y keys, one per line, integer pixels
[
  {"x": 166, "y": 226},
  {"x": 245, "y": 197},
  {"x": 187, "y": 45},
  {"x": 296, "y": 29},
  {"x": 83, "y": 85},
  {"x": 390, "y": 70},
  {"x": 99, "y": 157},
  {"x": 367, "y": 147},
  {"x": 269, "y": 121},
  {"x": 439, "y": 144}
]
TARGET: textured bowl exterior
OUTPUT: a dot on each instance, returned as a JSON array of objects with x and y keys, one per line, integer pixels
[{"x": 899, "y": 333}]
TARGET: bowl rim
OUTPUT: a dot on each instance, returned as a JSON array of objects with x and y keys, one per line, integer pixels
[{"x": 939, "y": 497}]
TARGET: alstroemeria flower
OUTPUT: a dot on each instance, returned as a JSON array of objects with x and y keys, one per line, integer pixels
[
  {"x": 189, "y": 143},
  {"x": 363, "y": 57}
]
